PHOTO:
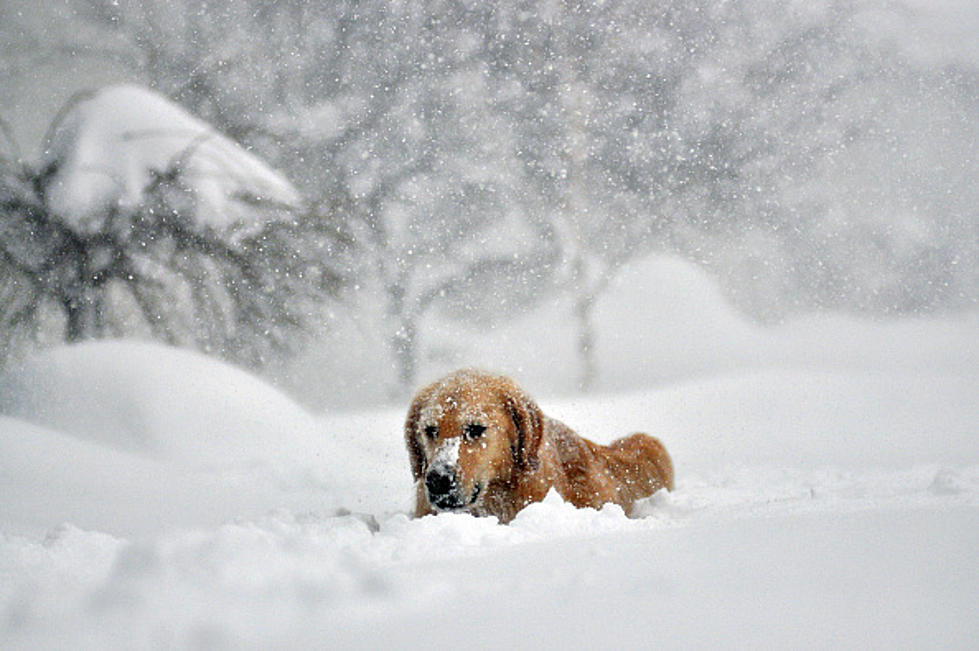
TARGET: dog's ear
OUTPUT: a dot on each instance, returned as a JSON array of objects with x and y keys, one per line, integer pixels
[
  {"x": 529, "y": 424},
  {"x": 415, "y": 453}
]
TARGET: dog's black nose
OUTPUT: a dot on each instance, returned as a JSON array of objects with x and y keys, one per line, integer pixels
[{"x": 440, "y": 482}]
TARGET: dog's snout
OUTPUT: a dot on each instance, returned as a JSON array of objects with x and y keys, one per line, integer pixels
[{"x": 440, "y": 482}]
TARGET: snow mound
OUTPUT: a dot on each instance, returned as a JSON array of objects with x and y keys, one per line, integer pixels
[
  {"x": 108, "y": 146},
  {"x": 135, "y": 438},
  {"x": 665, "y": 319},
  {"x": 677, "y": 324},
  {"x": 159, "y": 401}
]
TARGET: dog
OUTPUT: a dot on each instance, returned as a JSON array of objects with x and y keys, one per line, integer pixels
[{"x": 479, "y": 444}]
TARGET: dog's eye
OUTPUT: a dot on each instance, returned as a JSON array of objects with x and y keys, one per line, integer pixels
[
  {"x": 431, "y": 431},
  {"x": 474, "y": 430}
]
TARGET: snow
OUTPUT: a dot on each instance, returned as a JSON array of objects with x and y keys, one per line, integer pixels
[
  {"x": 109, "y": 144},
  {"x": 827, "y": 495},
  {"x": 447, "y": 454}
]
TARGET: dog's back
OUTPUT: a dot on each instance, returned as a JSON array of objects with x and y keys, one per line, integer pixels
[
  {"x": 590, "y": 474},
  {"x": 642, "y": 465}
]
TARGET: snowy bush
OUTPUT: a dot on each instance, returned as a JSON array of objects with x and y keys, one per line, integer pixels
[{"x": 141, "y": 219}]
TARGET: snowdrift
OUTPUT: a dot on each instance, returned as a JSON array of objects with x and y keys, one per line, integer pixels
[{"x": 117, "y": 420}]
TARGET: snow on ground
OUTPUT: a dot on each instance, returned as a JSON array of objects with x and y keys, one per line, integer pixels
[{"x": 827, "y": 495}]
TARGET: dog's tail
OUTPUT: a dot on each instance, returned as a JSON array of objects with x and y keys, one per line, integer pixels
[
  {"x": 653, "y": 463},
  {"x": 663, "y": 462}
]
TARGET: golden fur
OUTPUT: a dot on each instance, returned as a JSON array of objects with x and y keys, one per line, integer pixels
[{"x": 479, "y": 444}]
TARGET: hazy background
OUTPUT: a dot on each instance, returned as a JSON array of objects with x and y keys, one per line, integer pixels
[{"x": 503, "y": 172}]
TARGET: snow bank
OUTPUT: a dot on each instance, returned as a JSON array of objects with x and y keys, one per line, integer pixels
[
  {"x": 136, "y": 438},
  {"x": 664, "y": 319},
  {"x": 152, "y": 399},
  {"x": 108, "y": 145}
]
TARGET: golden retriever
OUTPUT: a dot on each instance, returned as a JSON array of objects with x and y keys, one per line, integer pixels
[{"x": 479, "y": 444}]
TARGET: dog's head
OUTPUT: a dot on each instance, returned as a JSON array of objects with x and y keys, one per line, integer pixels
[{"x": 468, "y": 430}]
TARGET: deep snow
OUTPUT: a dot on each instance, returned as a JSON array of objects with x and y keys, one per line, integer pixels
[{"x": 827, "y": 495}]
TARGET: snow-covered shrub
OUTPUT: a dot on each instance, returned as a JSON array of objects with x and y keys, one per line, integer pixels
[{"x": 143, "y": 220}]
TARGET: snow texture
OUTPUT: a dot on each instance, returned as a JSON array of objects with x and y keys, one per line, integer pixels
[
  {"x": 447, "y": 454},
  {"x": 109, "y": 144},
  {"x": 156, "y": 498}
]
